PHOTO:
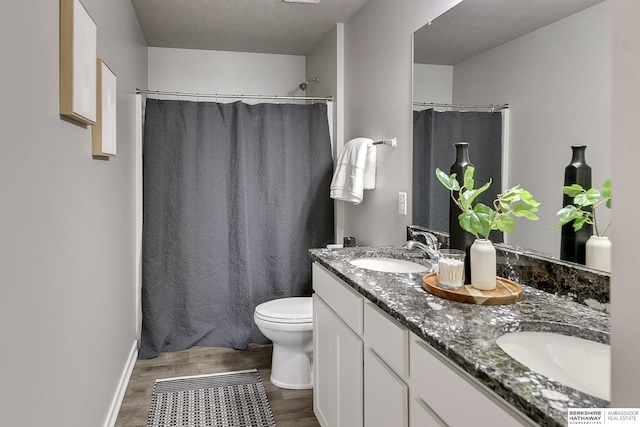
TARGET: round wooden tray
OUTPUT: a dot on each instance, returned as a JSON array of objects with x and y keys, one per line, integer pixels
[{"x": 506, "y": 292}]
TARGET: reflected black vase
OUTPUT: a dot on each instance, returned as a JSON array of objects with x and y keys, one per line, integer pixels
[
  {"x": 573, "y": 243},
  {"x": 458, "y": 238}
]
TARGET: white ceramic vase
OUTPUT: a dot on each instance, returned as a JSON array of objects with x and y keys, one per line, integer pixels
[
  {"x": 483, "y": 265},
  {"x": 598, "y": 253}
]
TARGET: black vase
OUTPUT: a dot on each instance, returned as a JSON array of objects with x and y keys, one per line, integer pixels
[
  {"x": 459, "y": 238},
  {"x": 573, "y": 243}
]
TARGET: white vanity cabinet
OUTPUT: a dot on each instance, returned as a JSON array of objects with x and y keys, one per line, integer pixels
[
  {"x": 371, "y": 371},
  {"x": 445, "y": 395},
  {"x": 338, "y": 352}
]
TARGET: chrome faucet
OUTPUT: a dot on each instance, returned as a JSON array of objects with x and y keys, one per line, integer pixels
[{"x": 431, "y": 249}]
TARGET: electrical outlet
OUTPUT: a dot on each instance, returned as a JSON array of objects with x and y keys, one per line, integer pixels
[{"x": 402, "y": 203}]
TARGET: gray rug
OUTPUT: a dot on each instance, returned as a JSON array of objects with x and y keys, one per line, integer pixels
[{"x": 231, "y": 399}]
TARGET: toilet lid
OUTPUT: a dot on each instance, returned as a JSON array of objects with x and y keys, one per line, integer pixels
[{"x": 287, "y": 310}]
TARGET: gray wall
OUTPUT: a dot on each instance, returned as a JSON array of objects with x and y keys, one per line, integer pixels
[
  {"x": 322, "y": 61},
  {"x": 214, "y": 71},
  {"x": 557, "y": 81},
  {"x": 326, "y": 60},
  {"x": 67, "y": 259},
  {"x": 378, "y": 96},
  {"x": 432, "y": 83}
]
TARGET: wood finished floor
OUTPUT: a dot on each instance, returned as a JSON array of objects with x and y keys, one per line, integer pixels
[{"x": 291, "y": 408}]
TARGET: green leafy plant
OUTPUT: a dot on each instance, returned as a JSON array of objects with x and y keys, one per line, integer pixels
[
  {"x": 585, "y": 203},
  {"x": 478, "y": 218}
]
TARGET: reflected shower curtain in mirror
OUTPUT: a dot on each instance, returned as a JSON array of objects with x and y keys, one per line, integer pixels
[
  {"x": 434, "y": 136},
  {"x": 234, "y": 196}
]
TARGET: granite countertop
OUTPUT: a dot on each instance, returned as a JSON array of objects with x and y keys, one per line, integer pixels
[{"x": 466, "y": 333}]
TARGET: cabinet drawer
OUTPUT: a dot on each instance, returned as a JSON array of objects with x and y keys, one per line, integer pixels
[
  {"x": 345, "y": 302},
  {"x": 387, "y": 338},
  {"x": 456, "y": 397}
]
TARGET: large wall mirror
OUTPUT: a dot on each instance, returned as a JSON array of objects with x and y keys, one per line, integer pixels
[{"x": 550, "y": 61}]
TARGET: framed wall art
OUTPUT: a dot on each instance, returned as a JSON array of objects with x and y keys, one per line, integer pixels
[
  {"x": 104, "y": 133},
  {"x": 78, "y": 52}
]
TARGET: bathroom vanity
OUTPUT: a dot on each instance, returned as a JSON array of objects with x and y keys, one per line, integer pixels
[{"x": 388, "y": 353}]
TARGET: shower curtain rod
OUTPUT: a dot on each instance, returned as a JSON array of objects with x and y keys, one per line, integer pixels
[
  {"x": 219, "y": 95},
  {"x": 492, "y": 107}
]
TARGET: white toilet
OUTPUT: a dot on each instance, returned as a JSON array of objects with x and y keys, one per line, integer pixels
[{"x": 288, "y": 322}]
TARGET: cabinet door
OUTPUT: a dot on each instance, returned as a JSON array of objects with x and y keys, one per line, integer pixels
[
  {"x": 385, "y": 395},
  {"x": 349, "y": 371},
  {"x": 387, "y": 338},
  {"x": 420, "y": 415},
  {"x": 323, "y": 371}
]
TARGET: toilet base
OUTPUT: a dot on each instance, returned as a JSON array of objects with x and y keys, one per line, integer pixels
[
  {"x": 290, "y": 386},
  {"x": 291, "y": 369}
]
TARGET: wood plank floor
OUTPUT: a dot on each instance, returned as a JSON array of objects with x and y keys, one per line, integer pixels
[{"x": 291, "y": 408}]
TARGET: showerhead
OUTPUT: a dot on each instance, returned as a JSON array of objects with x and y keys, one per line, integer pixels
[{"x": 303, "y": 86}]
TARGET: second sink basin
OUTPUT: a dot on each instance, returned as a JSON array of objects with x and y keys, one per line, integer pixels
[
  {"x": 575, "y": 362},
  {"x": 390, "y": 265}
]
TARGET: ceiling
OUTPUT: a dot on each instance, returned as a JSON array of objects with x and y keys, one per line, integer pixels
[
  {"x": 475, "y": 26},
  {"x": 262, "y": 26}
]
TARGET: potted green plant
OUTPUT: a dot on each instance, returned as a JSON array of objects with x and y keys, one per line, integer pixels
[
  {"x": 479, "y": 219},
  {"x": 583, "y": 211}
]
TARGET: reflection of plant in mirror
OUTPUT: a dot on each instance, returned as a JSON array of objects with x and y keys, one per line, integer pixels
[
  {"x": 479, "y": 219},
  {"x": 583, "y": 211}
]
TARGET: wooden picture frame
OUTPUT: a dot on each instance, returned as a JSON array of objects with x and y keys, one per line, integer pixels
[
  {"x": 104, "y": 133},
  {"x": 78, "y": 52}
]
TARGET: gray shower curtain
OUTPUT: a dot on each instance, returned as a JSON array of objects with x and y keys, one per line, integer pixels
[
  {"x": 234, "y": 196},
  {"x": 434, "y": 136}
]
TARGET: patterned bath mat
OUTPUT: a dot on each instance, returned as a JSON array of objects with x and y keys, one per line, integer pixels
[{"x": 231, "y": 399}]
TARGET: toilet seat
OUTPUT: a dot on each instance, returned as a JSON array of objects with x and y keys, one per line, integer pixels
[{"x": 286, "y": 310}]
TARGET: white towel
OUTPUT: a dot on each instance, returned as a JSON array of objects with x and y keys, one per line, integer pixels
[{"x": 355, "y": 171}]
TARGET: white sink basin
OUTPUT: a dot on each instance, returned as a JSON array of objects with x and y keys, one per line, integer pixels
[
  {"x": 390, "y": 265},
  {"x": 575, "y": 362}
]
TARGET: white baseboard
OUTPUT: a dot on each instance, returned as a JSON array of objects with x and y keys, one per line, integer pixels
[{"x": 122, "y": 386}]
